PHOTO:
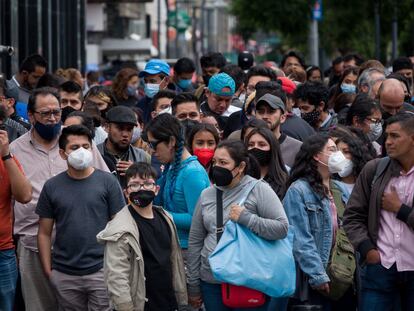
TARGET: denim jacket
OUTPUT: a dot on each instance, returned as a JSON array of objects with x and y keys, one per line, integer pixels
[{"x": 311, "y": 216}]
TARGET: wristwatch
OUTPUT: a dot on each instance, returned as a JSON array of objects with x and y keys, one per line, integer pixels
[{"x": 7, "y": 156}]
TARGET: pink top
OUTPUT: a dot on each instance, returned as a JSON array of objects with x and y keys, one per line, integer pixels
[
  {"x": 334, "y": 215},
  {"x": 395, "y": 238},
  {"x": 38, "y": 165}
]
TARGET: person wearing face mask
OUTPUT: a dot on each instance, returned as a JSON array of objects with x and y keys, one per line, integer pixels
[
  {"x": 262, "y": 213},
  {"x": 262, "y": 144},
  {"x": 184, "y": 70},
  {"x": 202, "y": 141},
  {"x": 38, "y": 153},
  {"x": 356, "y": 158},
  {"x": 365, "y": 114},
  {"x": 186, "y": 109},
  {"x": 125, "y": 87},
  {"x": 314, "y": 204},
  {"x": 78, "y": 198},
  {"x": 312, "y": 100},
  {"x": 210, "y": 64},
  {"x": 346, "y": 85},
  {"x": 156, "y": 77},
  {"x": 103, "y": 98},
  {"x": 144, "y": 267}
]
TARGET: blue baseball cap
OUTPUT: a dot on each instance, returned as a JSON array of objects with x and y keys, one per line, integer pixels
[
  {"x": 222, "y": 84},
  {"x": 155, "y": 66}
]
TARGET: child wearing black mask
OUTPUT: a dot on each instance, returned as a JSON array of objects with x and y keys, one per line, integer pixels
[{"x": 142, "y": 252}]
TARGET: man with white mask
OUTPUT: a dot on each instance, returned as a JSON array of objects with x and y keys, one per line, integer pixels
[{"x": 80, "y": 200}]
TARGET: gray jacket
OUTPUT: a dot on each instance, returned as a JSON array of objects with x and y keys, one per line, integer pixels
[
  {"x": 124, "y": 262},
  {"x": 264, "y": 215}
]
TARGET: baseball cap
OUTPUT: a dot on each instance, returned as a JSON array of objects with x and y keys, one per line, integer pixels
[
  {"x": 245, "y": 60},
  {"x": 121, "y": 114},
  {"x": 287, "y": 85},
  {"x": 219, "y": 83},
  {"x": 273, "y": 101},
  {"x": 155, "y": 66}
]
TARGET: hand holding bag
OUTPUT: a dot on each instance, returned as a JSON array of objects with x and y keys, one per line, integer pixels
[{"x": 243, "y": 258}]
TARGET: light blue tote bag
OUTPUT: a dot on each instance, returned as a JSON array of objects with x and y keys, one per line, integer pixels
[{"x": 243, "y": 258}]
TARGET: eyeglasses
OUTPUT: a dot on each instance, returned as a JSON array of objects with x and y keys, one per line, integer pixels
[
  {"x": 153, "y": 144},
  {"x": 379, "y": 121},
  {"x": 146, "y": 186},
  {"x": 47, "y": 114}
]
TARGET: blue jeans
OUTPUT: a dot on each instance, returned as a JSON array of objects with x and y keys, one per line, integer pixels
[
  {"x": 8, "y": 279},
  {"x": 213, "y": 302},
  {"x": 386, "y": 289}
]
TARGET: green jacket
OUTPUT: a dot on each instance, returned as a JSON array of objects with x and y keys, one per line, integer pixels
[{"x": 124, "y": 263}]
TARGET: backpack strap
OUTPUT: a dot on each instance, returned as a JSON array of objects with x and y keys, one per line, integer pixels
[{"x": 381, "y": 167}]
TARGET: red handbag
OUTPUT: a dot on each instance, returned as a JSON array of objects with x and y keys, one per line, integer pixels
[
  {"x": 241, "y": 297},
  {"x": 234, "y": 296}
]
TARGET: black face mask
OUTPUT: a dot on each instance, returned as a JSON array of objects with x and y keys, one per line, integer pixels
[
  {"x": 142, "y": 198},
  {"x": 206, "y": 79},
  {"x": 66, "y": 111},
  {"x": 188, "y": 125},
  {"x": 312, "y": 117},
  {"x": 221, "y": 176},
  {"x": 262, "y": 156}
]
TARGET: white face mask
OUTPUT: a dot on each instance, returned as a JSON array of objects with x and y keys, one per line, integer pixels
[
  {"x": 336, "y": 162},
  {"x": 375, "y": 131},
  {"x": 296, "y": 112},
  {"x": 80, "y": 159},
  {"x": 136, "y": 134},
  {"x": 242, "y": 97},
  {"x": 347, "y": 170},
  {"x": 166, "y": 110}
]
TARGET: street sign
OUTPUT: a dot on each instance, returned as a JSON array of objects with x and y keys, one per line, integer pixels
[{"x": 317, "y": 10}]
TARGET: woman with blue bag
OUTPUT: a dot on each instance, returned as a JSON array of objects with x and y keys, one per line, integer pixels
[
  {"x": 262, "y": 213},
  {"x": 314, "y": 204}
]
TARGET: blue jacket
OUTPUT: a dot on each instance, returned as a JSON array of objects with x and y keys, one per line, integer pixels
[
  {"x": 191, "y": 180},
  {"x": 311, "y": 216}
]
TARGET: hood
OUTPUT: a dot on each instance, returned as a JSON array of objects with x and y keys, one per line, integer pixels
[{"x": 121, "y": 224}]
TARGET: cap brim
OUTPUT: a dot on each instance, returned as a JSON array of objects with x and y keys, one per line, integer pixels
[{"x": 151, "y": 72}]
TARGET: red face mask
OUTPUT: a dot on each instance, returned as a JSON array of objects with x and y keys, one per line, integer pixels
[{"x": 204, "y": 155}]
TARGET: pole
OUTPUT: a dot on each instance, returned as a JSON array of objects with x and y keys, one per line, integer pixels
[
  {"x": 314, "y": 43},
  {"x": 159, "y": 27},
  {"x": 395, "y": 32},
  {"x": 377, "y": 30}
]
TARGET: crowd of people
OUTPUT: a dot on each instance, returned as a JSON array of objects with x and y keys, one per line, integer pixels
[{"x": 109, "y": 190}]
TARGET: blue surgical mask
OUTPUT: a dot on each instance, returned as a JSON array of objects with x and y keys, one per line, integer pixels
[
  {"x": 348, "y": 88},
  {"x": 48, "y": 132},
  {"x": 131, "y": 91},
  {"x": 184, "y": 83},
  {"x": 151, "y": 89}
]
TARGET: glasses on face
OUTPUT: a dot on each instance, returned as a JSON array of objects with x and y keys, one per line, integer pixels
[
  {"x": 153, "y": 144},
  {"x": 148, "y": 185},
  {"x": 47, "y": 114},
  {"x": 375, "y": 121}
]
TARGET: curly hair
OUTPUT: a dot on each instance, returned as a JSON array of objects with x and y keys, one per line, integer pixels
[
  {"x": 120, "y": 84},
  {"x": 359, "y": 153},
  {"x": 306, "y": 167}
]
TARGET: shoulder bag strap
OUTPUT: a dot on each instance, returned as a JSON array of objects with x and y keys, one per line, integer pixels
[{"x": 219, "y": 214}]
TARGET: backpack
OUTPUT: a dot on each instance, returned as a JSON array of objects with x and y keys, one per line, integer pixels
[{"x": 342, "y": 263}]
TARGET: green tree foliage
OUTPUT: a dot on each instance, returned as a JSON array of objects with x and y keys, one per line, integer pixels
[{"x": 347, "y": 25}]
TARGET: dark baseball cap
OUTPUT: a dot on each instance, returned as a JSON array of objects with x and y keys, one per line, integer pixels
[
  {"x": 273, "y": 101},
  {"x": 121, "y": 114}
]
